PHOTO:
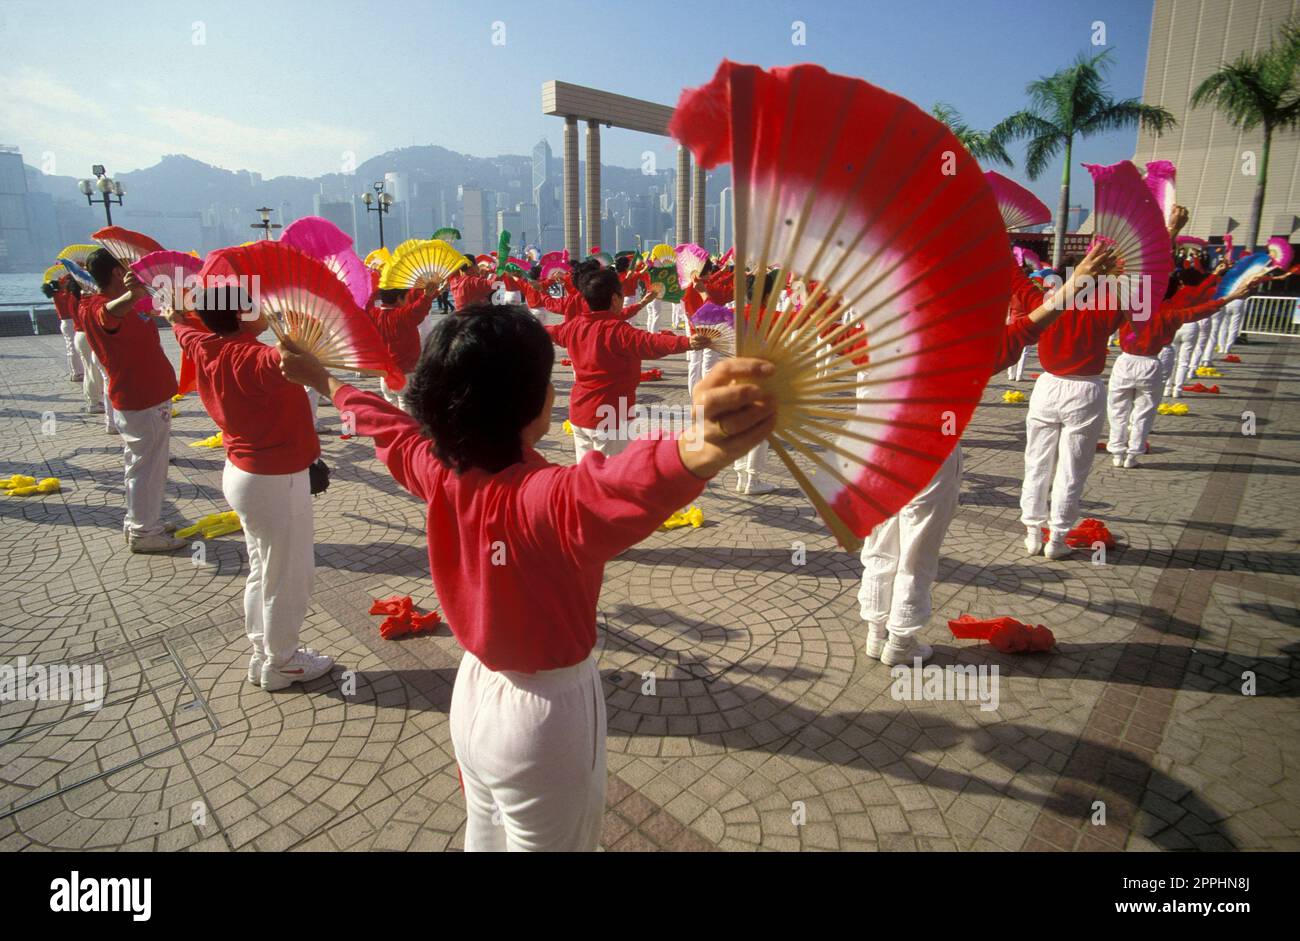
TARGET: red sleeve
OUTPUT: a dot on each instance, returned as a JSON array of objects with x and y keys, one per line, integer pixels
[
  {"x": 558, "y": 332},
  {"x": 186, "y": 337},
  {"x": 646, "y": 345},
  {"x": 412, "y": 313},
  {"x": 1020, "y": 333},
  {"x": 1176, "y": 315},
  {"x": 692, "y": 301},
  {"x": 400, "y": 447},
  {"x": 602, "y": 506}
]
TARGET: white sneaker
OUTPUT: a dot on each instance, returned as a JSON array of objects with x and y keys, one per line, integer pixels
[
  {"x": 1131, "y": 461},
  {"x": 1178, "y": 392},
  {"x": 909, "y": 651},
  {"x": 1033, "y": 541},
  {"x": 111, "y": 429},
  {"x": 877, "y": 635},
  {"x": 1057, "y": 549},
  {"x": 304, "y": 666},
  {"x": 255, "y": 664},
  {"x": 741, "y": 482},
  {"x": 158, "y": 543},
  {"x": 1117, "y": 460},
  {"x": 756, "y": 486}
]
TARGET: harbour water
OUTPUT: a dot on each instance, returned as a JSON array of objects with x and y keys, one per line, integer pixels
[{"x": 21, "y": 289}]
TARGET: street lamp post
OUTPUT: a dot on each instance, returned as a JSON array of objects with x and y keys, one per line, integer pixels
[
  {"x": 108, "y": 187},
  {"x": 379, "y": 202},
  {"x": 266, "y": 225}
]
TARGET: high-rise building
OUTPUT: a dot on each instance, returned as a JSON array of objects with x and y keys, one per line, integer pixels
[
  {"x": 342, "y": 213},
  {"x": 478, "y": 225},
  {"x": 17, "y": 253},
  {"x": 544, "y": 200},
  {"x": 1217, "y": 163},
  {"x": 726, "y": 237}
]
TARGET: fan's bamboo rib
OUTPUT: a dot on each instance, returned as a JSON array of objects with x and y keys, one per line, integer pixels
[
  {"x": 839, "y": 529},
  {"x": 818, "y": 180},
  {"x": 857, "y": 459},
  {"x": 851, "y": 435},
  {"x": 813, "y": 355},
  {"x": 834, "y": 472},
  {"x": 867, "y": 225},
  {"x": 842, "y": 351},
  {"x": 774, "y": 200},
  {"x": 899, "y": 232}
]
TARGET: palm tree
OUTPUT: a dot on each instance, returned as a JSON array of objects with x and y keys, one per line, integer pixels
[
  {"x": 977, "y": 143},
  {"x": 1259, "y": 89},
  {"x": 1068, "y": 104}
]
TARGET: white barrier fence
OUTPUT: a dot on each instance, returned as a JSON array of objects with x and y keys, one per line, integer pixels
[{"x": 1279, "y": 316}]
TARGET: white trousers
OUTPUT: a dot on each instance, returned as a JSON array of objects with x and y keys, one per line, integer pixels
[
  {"x": 901, "y": 556},
  {"x": 1184, "y": 345},
  {"x": 752, "y": 464},
  {"x": 1168, "y": 358},
  {"x": 1232, "y": 324},
  {"x": 1203, "y": 349},
  {"x": 607, "y": 442},
  {"x": 653, "y": 312},
  {"x": 94, "y": 384},
  {"x": 276, "y": 513},
  {"x": 1062, "y": 428},
  {"x": 1131, "y": 400},
  {"x": 531, "y": 751},
  {"x": 146, "y": 445},
  {"x": 1017, "y": 372},
  {"x": 395, "y": 398},
  {"x": 69, "y": 331}
]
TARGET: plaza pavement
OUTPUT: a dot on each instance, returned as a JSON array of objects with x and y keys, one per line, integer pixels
[{"x": 768, "y": 727}]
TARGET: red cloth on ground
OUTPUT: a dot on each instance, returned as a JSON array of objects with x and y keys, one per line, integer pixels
[
  {"x": 1086, "y": 533},
  {"x": 1004, "y": 633},
  {"x": 402, "y": 619}
]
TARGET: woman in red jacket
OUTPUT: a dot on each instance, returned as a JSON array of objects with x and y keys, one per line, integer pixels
[
  {"x": 270, "y": 440},
  {"x": 517, "y": 549},
  {"x": 607, "y": 353}
]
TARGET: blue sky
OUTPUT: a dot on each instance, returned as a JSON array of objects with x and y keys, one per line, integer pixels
[{"x": 282, "y": 86}]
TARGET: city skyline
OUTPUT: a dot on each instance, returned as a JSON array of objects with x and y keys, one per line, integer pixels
[{"x": 306, "y": 116}]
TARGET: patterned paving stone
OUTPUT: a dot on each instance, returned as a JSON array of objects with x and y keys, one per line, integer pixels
[{"x": 743, "y": 713}]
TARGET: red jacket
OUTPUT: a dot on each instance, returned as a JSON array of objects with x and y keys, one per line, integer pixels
[
  {"x": 1150, "y": 338},
  {"x": 518, "y": 557},
  {"x": 65, "y": 304},
  {"x": 139, "y": 373},
  {"x": 570, "y": 304},
  {"x": 607, "y": 356},
  {"x": 265, "y": 420},
  {"x": 399, "y": 328}
]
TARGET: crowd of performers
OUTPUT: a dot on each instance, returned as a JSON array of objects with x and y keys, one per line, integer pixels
[{"x": 505, "y": 527}]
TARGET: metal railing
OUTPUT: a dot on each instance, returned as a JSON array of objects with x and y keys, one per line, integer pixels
[
  {"x": 28, "y": 318},
  {"x": 1279, "y": 316}
]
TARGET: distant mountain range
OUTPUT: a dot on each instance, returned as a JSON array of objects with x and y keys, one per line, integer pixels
[{"x": 178, "y": 183}]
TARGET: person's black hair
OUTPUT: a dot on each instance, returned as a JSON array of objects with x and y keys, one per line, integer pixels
[
  {"x": 48, "y": 289},
  {"x": 219, "y": 307},
  {"x": 481, "y": 380},
  {"x": 535, "y": 273},
  {"x": 769, "y": 284},
  {"x": 622, "y": 263},
  {"x": 1174, "y": 281},
  {"x": 391, "y": 296},
  {"x": 101, "y": 266},
  {"x": 73, "y": 288},
  {"x": 708, "y": 269},
  {"x": 583, "y": 270},
  {"x": 473, "y": 265},
  {"x": 599, "y": 287}
]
